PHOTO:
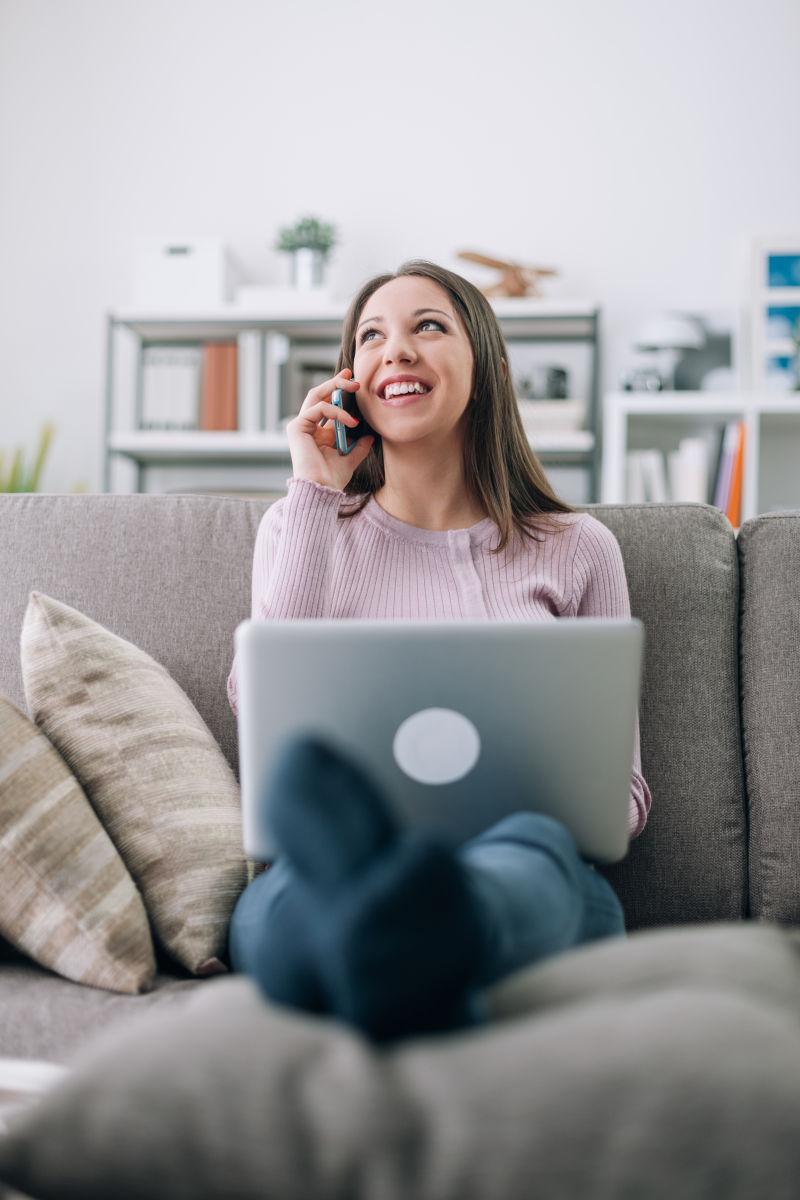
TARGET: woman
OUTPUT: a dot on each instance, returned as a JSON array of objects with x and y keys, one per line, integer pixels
[{"x": 440, "y": 510}]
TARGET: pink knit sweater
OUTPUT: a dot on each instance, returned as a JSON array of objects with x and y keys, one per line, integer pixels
[{"x": 310, "y": 563}]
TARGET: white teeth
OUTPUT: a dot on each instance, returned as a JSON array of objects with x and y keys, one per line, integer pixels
[{"x": 402, "y": 389}]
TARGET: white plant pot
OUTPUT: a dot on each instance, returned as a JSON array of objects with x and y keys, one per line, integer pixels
[{"x": 307, "y": 269}]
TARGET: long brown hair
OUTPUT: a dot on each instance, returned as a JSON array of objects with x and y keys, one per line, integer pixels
[{"x": 500, "y": 467}]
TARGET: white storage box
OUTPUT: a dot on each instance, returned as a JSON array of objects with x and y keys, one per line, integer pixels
[{"x": 192, "y": 274}]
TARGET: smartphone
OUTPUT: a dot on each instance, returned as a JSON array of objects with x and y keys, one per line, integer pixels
[{"x": 346, "y": 437}]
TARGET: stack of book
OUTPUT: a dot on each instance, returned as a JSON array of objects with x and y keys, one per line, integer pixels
[
  {"x": 704, "y": 470},
  {"x": 171, "y": 377},
  {"x": 730, "y": 469},
  {"x": 209, "y": 386}
]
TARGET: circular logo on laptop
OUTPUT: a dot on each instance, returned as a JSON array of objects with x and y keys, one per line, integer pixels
[{"x": 436, "y": 745}]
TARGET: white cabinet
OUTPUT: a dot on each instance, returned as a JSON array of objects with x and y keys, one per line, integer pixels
[
  {"x": 280, "y": 356},
  {"x": 633, "y": 421}
]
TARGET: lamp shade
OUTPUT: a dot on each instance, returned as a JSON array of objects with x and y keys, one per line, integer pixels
[{"x": 670, "y": 331}]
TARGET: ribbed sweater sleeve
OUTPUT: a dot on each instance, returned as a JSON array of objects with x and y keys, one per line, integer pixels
[
  {"x": 292, "y": 560},
  {"x": 293, "y": 557}
]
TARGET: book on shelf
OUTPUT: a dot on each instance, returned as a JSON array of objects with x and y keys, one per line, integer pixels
[
  {"x": 214, "y": 386},
  {"x": 688, "y": 471},
  {"x": 730, "y": 472},
  {"x": 733, "y": 509},
  {"x": 170, "y": 387},
  {"x": 685, "y": 479},
  {"x": 277, "y": 349},
  {"x": 646, "y": 477},
  {"x": 250, "y": 380},
  {"x": 219, "y": 396}
]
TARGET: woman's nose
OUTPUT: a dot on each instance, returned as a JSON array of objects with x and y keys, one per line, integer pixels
[{"x": 398, "y": 348}]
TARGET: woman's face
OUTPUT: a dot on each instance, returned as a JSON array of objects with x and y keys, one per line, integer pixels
[{"x": 413, "y": 360}]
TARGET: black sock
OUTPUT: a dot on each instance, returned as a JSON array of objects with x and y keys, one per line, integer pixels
[
  {"x": 388, "y": 918},
  {"x": 401, "y": 945},
  {"x": 325, "y": 814}
]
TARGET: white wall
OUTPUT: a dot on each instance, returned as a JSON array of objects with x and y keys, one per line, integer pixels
[{"x": 633, "y": 144}]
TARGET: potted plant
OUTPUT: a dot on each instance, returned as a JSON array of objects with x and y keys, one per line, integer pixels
[
  {"x": 21, "y": 478},
  {"x": 309, "y": 242}
]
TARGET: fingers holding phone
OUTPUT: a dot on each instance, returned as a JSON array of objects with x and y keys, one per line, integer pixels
[
  {"x": 324, "y": 437},
  {"x": 347, "y": 435}
]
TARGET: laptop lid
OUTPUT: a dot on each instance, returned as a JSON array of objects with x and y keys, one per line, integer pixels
[{"x": 458, "y": 723}]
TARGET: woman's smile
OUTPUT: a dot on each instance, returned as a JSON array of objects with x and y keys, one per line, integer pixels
[{"x": 401, "y": 389}]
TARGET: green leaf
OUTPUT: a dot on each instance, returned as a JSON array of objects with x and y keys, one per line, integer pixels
[
  {"x": 20, "y": 480},
  {"x": 15, "y": 478}
]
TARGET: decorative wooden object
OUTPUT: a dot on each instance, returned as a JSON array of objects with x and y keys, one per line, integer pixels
[{"x": 515, "y": 280}]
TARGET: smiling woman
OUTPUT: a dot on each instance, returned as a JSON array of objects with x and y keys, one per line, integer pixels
[
  {"x": 439, "y": 511},
  {"x": 401, "y": 328}
]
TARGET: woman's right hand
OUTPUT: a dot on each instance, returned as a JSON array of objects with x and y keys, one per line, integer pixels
[{"x": 312, "y": 442}]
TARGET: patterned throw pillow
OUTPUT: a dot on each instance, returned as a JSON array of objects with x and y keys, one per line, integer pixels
[
  {"x": 150, "y": 767},
  {"x": 66, "y": 898}
]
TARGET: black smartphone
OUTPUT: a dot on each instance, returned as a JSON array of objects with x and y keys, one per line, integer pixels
[{"x": 346, "y": 436}]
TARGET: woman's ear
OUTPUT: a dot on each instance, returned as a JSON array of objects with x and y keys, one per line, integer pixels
[{"x": 505, "y": 368}]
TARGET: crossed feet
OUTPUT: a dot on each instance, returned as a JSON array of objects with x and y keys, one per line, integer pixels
[{"x": 378, "y": 926}]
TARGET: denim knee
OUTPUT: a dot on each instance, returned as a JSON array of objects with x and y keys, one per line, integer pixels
[
  {"x": 251, "y": 914},
  {"x": 537, "y": 830}
]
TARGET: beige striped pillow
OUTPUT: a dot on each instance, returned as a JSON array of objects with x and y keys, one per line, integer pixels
[
  {"x": 66, "y": 898},
  {"x": 151, "y": 768}
]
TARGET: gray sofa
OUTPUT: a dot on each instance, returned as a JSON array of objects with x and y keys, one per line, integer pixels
[{"x": 666, "y": 1064}]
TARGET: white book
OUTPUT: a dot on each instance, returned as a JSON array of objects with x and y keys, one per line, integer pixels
[
  {"x": 688, "y": 471},
  {"x": 184, "y": 387},
  {"x": 634, "y": 478},
  {"x": 171, "y": 387},
  {"x": 154, "y": 414},
  {"x": 653, "y": 475},
  {"x": 250, "y": 380},
  {"x": 276, "y": 355}
]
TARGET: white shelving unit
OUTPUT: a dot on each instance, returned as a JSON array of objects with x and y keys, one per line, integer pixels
[
  {"x": 290, "y": 346},
  {"x": 771, "y": 476},
  {"x": 769, "y": 408}
]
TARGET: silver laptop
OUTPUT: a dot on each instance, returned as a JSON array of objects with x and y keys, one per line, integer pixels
[{"x": 458, "y": 723}]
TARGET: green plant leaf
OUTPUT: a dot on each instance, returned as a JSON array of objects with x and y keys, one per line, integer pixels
[
  {"x": 309, "y": 233},
  {"x": 46, "y": 437},
  {"x": 20, "y": 480},
  {"x": 15, "y": 478}
]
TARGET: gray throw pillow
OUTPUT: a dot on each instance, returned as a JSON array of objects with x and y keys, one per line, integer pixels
[{"x": 689, "y": 1090}]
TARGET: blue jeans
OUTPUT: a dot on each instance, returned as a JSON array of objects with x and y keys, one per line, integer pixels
[{"x": 536, "y": 897}]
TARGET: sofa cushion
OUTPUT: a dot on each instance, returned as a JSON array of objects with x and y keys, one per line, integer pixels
[
  {"x": 66, "y": 898},
  {"x": 151, "y": 769},
  {"x": 682, "y": 569},
  {"x": 769, "y": 550},
  {"x": 171, "y": 574},
  {"x": 689, "y": 1090},
  {"x": 45, "y": 1017}
]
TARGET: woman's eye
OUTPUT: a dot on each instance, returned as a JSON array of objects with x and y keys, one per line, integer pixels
[
  {"x": 367, "y": 336},
  {"x": 429, "y": 323}
]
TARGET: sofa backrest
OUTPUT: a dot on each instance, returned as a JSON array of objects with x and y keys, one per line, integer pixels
[
  {"x": 769, "y": 553},
  {"x": 169, "y": 573},
  {"x": 172, "y": 574},
  {"x": 682, "y": 568}
]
